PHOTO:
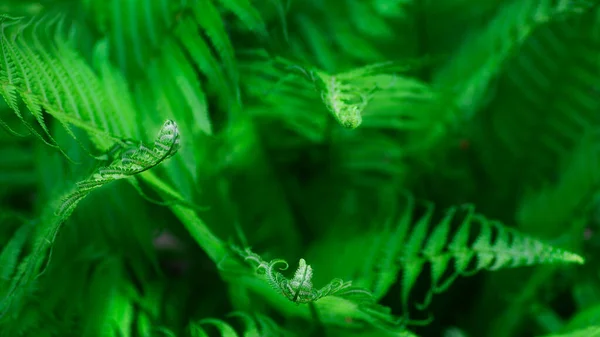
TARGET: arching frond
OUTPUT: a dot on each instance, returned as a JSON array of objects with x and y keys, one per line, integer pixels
[
  {"x": 129, "y": 162},
  {"x": 546, "y": 99},
  {"x": 126, "y": 163},
  {"x": 40, "y": 69},
  {"x": 470, "y": 74},
  {"x": 168, "y": 42},
  {"x": 409, "y": 247},
  {"x": 180, "y": 64},
  {"x": 359, "y": 30}
]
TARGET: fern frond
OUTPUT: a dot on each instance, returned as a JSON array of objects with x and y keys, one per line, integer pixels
[
  {"x": 345, "y": 94},
  {"x": 547, "y": 87},
  {"x": 135, "y": 29},
  {"x": 132, "y": 161},
  {"x": 208, "y": 17},
  {"x": 282, "y": 96},
  {"x": 358, "y": 30},
  {"x": 359, "y": 310},
  {"x": 349, "y": 93},
  {"x": 342, "y": 98},
  {"x": 451, "y": 255},
  {"x": 38, "y": 65},
  {"x": 194, "y": 33},
  {"x": 469, "y": 76},
  {"x": 285, "y": 98},
  {"x": 179, "y": 61}
]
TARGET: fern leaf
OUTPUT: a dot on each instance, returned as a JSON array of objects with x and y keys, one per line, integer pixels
[
  {"x": 177, "y": 66},
  {"x": 450, "y": 253},
  {"x": 208, "y": 18},
  {"x": 134, "y": 29},
  {"x": 191, "y": 29},
  {"x": 282, "y": 97},
  {"x": 38, "y": 64},
  {"x": 357, "y": 30},
  {"x": 18, "y": 69},
  {"x": 551, "y": 80},
  {"x": 346, "y": 94},
  {"x": 113, "y": 84},
  {"x": 484, "y": 54},
  {"x": 133, "y": 161},
  {"x": 204, "y": 59}
]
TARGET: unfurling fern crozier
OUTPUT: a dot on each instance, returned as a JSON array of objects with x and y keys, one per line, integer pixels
[
  {"x": 132, "y": 161},
  {"x": 299, "y": 289}
]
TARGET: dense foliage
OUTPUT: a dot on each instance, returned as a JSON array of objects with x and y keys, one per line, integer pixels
[{"x": 433, "y": 166}]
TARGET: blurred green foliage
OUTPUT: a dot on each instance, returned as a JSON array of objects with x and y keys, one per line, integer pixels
[{"x": 432, "y": 165}]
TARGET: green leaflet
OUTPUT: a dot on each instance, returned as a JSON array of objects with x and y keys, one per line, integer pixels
[
  {"x": 38, "y": 65},
  {"x": 487, "y": 51}
]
